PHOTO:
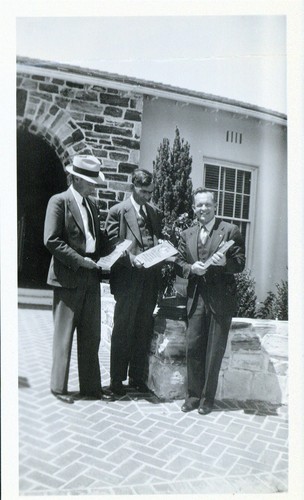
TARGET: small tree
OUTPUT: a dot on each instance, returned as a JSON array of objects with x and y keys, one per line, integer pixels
[
  {"x": 173, "y": 195},
  {"x": 172, "y": 184}
]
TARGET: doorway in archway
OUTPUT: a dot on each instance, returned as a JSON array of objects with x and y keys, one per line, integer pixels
[{"x": 39, "y": 175}]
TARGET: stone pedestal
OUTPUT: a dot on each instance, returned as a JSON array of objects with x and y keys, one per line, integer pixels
[{"x": 167, "y": 360}]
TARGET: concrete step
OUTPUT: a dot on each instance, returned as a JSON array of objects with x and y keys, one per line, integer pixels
[{"x": 33, "y": 298}]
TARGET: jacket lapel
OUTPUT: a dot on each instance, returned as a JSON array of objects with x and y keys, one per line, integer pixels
[
  {"x": 193, "y": 242},
  {"x": 154, "y": 222},
  {"x": 217, "y": 236},
  {"x": 73, "y": 207},
  {"x": 131, "y": 220}
]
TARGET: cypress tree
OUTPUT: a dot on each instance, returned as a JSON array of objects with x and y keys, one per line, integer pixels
[
  {"x": 173, "y": 196},
  {"x": 172, "y": 184}
]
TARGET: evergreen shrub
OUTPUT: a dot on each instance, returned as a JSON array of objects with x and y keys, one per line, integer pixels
[
  {"x": 275, "y": 306},
  {"x": 246, "y": 297}
]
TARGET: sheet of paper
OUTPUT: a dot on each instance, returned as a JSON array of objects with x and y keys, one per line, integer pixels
[
  {"x": 108, "y": 261},
  {"x": 157, "y": 254}
]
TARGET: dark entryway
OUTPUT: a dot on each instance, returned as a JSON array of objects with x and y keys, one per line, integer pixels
[{"x": 39, "y": 175}]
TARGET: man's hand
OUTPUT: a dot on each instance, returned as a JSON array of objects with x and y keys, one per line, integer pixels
[
  {"x": 89, "y": 263},
  {"x": 218, "y": 259},
  {"x": 134, "y": 261},
  {"x": 170, "y": 259},
  {"x": 137, "y": 263},
  {"x": 198, "y": 268}
]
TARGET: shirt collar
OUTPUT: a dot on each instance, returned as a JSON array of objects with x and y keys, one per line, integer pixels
[
  {"x": 137, "y": 205},
  {"x": 209, "y": 225},
  {"x": 76, "y": 195}
]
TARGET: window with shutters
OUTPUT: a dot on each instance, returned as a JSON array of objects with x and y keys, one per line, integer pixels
[{"x": 233, "y": 186}]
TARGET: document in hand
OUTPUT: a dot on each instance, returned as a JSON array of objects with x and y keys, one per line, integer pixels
[
  {"x": 108, "y": 261},
  {"x": 222, "y": 248},
  {"x": 157, "y": 254}
]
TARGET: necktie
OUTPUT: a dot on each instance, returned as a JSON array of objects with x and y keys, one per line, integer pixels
[
  {"x": 146, "y": 219},
  {"x": 204, "y": 235},
  {"x": 142, "y": 213},
  {"x": 90, "y": 218}
]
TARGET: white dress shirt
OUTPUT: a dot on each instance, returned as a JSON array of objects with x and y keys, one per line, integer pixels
[{"x": 137, "y": 206}]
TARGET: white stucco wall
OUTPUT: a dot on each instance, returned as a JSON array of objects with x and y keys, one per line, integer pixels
[{"x": 264, "y": 146}]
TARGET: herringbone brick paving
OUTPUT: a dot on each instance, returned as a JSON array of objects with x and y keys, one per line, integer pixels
[{"x": 137, "y": 445}]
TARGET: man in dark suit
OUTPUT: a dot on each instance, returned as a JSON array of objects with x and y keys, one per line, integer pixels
[
  {"x": 211, "y": 297},
  {"x": 134, "y": 288},
  {"x": 72, "y": 234}
]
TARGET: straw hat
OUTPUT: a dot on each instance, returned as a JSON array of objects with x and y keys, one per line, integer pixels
[{"x": 87, "y": 167}]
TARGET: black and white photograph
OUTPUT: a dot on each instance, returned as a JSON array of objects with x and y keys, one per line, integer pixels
[{"x": 155, "y": 340}]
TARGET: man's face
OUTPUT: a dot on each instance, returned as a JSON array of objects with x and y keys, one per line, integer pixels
[
  {"x": 142, "y": 194},
  {"x": 204, "y": 207},
  {"x": 85, "y": 188}
]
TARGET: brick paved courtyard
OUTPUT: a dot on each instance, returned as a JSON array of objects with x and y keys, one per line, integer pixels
[{"x": 137, "y": 445}]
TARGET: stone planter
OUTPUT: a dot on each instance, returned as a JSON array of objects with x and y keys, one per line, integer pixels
[{"x": 255, "y": 364}]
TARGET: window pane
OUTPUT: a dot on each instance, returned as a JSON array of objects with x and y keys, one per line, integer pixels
[
  {"x": 238, "y": 206},
  {"x": 239, "y": 182},
  {"x": 243, "y": 230},
  {"x": 247, "y": 182},
  {"x": 212, "y": 176},
  {"x": 220, "y": 204},
  {"x": 230, "y": 179},
  {"x": 245, "y": 214},
  {"x": 228, "y": 204},
  {"x": 222, "y": 179}
]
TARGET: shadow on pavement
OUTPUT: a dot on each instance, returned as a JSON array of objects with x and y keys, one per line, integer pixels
[
  {"x": 23, "y": 382},
  {"x": 261, "y": 408}
]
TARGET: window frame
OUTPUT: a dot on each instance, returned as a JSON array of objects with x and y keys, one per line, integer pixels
[{"x": 253, "y": 169}]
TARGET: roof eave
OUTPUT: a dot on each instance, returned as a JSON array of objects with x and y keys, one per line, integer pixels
[{"x": 132, "y": 85}]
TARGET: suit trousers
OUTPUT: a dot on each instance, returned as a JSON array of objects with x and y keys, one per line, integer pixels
[
  {"x": 133, "y": 325},
  {"x": 77, "y": 308},
  {"x": 206, "y": 341}
]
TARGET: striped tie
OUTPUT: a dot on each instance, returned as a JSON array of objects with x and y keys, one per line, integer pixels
[{"x": 204, "y": 235}]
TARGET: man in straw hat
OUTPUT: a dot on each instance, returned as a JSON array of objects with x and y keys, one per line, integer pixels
[{"x": 72, "y": 234}]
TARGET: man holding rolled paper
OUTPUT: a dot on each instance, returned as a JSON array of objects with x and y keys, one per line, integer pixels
[
  {"x": 209, "y": 255},
  {"x": 134, "y": 286}
]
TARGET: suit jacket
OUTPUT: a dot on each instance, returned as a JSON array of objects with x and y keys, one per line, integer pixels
[
  {"x": 218, "y": 284},
  {"x": 122, "y": 224},
  {"x": 64, "y": 237}
]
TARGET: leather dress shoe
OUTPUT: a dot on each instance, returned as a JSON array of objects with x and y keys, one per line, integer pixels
[
  {"x": 105, "y": 395},
  {"x": 138, "y": 385},
  {"x": 189, "y": 405},
  {"x": 65, "y": 398},
  {"x": 205, "y": 407},
  {"x": 118, "y": 388}
]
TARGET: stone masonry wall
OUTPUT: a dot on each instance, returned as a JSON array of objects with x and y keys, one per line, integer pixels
[{"x": 81, "y": 118}]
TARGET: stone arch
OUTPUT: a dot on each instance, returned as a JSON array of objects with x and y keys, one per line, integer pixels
[
  {"x": 55, "y": 126},
  {"x": 47, "y": 140},
  {"x": 39, "y": 176}
]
